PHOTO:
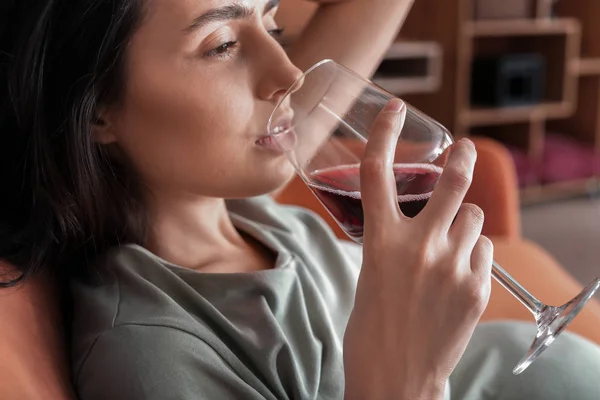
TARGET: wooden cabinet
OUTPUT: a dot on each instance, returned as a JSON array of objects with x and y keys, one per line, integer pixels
[{"x": 568, "y": 40}]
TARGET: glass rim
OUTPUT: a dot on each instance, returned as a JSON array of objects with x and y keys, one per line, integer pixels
[{"x": 291, "y": 89}]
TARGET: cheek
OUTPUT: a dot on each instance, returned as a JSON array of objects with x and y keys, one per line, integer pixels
[{"x": 178, "y": 135}]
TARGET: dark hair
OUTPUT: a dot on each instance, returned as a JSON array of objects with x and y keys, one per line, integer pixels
[{"x": 63, "y": 198}]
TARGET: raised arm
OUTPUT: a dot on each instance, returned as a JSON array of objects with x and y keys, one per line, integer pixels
[{"x": 355, "y": 33}]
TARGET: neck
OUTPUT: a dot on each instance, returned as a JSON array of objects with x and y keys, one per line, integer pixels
[{"x": 193, "y": 232}]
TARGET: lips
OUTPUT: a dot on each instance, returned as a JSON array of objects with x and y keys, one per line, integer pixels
[
  {"x": 282, "y": 137},
  {"x": 282, "y": 124},
  {"x": 269, "y": 143},
  {"x": 280, "y": 142}
]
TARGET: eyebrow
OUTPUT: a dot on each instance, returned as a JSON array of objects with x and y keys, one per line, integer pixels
[{"x": 227, "y": 13}]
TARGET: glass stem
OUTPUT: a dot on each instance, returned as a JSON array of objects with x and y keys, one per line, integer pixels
[{"x": 532, "y": 304}]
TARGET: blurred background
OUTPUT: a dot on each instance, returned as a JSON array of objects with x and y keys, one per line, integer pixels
[{"x": 525, "y": 73}]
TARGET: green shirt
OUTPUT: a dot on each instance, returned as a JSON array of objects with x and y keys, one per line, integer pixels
[{"x": 148, "y": 329}]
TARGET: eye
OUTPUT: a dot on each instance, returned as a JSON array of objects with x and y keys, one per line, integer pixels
[
  {"x": 221, "y": 50},
  {"x": 225, "y": 49},
  {"x": 277, "y": 34}
]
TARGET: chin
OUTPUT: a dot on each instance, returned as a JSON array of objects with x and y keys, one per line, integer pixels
[{"x": 268, "y": 182}]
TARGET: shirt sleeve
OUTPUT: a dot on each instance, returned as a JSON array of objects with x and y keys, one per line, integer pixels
[{"x": 134, "y": 362}]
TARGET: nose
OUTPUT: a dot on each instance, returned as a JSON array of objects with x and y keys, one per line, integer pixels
[{"x": 279, "y": 73}]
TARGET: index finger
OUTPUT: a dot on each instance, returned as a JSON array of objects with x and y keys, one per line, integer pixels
[
  {"x": 377, "y": 182},
  {"x": 453, "y": 185}
]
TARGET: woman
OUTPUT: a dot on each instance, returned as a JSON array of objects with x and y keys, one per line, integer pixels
[{"x": 126, "y": 126}]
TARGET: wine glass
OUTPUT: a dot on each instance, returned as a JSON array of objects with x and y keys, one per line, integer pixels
[{"x": 323, "y": 122}]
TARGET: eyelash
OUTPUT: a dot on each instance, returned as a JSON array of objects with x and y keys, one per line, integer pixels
[{"x": 224, "y": 50}]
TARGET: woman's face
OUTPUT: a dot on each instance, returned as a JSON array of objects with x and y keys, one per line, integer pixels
[{"x": 202, "y": 78}]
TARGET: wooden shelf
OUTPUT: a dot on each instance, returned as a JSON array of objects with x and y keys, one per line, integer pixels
[
  {"x": 413, "y": 48},
  {"x": 587, "y": 66},
  {"x": 544, "y": 9},
  {"x": 410, "y": 67},
  {"x": 555, "y": 191},
  {"x": 564, "y": 33},
  {"x": 399, "y": 86},
  {"x": 509, "y": 115},
  {"x": 526, "y": 27}
]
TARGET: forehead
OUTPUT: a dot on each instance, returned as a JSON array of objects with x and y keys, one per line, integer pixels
[
  {"x": 166, "y": 22},
  {"x": 177, "y": 9}
]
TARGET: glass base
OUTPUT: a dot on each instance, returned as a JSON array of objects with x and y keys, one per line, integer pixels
[{"x": 551, "y": 321}]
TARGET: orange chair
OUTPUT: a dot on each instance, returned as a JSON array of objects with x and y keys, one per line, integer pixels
[{"x": 494, "y": 189}]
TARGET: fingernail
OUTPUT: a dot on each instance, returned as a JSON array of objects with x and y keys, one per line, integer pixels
[{"x": 393, "y": 106}]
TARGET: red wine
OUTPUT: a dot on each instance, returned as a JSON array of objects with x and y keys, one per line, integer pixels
[{"x": 338, "y": 189}]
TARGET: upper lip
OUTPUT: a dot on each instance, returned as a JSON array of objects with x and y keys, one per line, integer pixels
[{"x": 282, "y": 123}]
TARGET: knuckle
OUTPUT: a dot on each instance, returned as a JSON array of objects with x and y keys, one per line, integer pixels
[
  {"x": 447, "y": 273},
  {"x": 475, "y": 213},
  {"x": 372, "y": 167},
  {"x": 459, "y": 178},
  {"x": 450, "y": 268},
  {"x": 422, "y": 256},
  {"x": 385, "y": 123},
  {"x": 487, "y": 246},
  {"x": 477, "y": 294}
]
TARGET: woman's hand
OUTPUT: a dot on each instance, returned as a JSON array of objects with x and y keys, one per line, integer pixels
[{"x": 424, "y": 282}]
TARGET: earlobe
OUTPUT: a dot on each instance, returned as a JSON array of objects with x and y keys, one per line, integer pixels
[{"x": 102, "y": 132}]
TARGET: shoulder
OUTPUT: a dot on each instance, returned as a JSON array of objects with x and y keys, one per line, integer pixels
[
  {"x": 97, "y": 297},
  {"x": 130, "y": 286},
  {"x": 132, "y": 343},
  {"x": 155, "y": 362}
]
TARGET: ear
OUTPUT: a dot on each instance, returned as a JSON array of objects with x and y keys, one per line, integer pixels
[{"x": 102, "y": 128}]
